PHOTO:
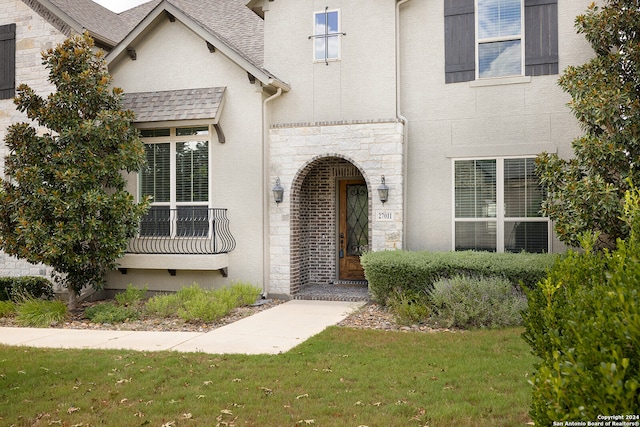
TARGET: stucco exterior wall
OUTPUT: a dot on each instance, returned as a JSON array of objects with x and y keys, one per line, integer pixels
[
  {"x": 33, "y": 35},
  {"x": 494, "y": 118},
  {"x": 169, "y": 57},
  {"x": 360, "y": 86}
]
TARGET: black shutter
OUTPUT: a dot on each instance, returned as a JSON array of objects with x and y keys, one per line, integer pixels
[
  {"x": 459, "y": 41},
  {"x": 541, "y": 37},
  {"x": 7, "y": 61}
]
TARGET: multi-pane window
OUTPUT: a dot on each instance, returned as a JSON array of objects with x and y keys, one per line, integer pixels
[
  {"x": 497, "y": 206},
  {"x": 176, "y": 177},
  {"x": 499, "y": 38},
  {"x": 326, "y": 35}
]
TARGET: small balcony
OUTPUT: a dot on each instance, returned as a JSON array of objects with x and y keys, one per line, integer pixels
[{"x": 185, "y": 238}]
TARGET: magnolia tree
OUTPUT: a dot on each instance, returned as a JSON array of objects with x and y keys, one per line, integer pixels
[
  {"x": 65, "y": 203},
  {"x": 586, "y": 193}
]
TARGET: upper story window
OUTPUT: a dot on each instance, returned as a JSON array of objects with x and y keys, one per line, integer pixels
[
  {"x": 499, "y": 38},
  {"x": 7, "y": 61},
  {"x": 326, "y": 35}
]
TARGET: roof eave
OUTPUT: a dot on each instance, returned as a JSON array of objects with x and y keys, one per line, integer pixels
[
  {"x": 102, "y": 40},
  {"x": 279, "y": 84}
]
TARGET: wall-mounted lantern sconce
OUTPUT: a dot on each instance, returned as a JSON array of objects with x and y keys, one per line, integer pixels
[
  {"x": 383, "y": 191},
  {"x": 278, "y": 191}
]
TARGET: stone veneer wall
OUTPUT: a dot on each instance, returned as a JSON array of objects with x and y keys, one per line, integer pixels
[
  {"x": 308, "y": 155},
  {"x": 33, "y": 35}
]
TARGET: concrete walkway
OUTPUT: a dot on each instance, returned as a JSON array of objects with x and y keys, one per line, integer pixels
[{"x": 271, "y": 331}]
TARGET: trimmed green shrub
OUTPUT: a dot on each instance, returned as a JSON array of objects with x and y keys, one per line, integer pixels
[
  {"x": 476, "y": 302},
  {"x": 389, "y": 272},
  {"x": 15, "y": 288},
  {"x": 111, "y": 313},
  {"x": 40, "y": 313},
  {"x": 583, "y": 322},
  {"x": 131, "y": 296}
]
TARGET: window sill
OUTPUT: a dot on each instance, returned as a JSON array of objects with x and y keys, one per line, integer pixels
[
  {"x": 326, "y": 61},
  {"x": 498, "y": 81}
]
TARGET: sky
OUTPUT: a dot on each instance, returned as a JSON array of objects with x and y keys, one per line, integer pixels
[{"x": 120, "y": 5}]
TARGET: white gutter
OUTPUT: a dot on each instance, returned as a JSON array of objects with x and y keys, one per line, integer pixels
[
  {"x": 266, "y": 192},
  {"x": 405, "y": 121}
]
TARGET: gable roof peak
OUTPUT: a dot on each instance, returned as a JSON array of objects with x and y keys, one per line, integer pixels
[{"x": 226, "y": 24}]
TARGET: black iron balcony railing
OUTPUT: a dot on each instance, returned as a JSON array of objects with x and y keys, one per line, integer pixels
[{"x": 185, "y": 230}]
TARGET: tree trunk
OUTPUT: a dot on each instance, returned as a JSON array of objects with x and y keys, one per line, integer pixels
[{"x": 73, "y": 299}]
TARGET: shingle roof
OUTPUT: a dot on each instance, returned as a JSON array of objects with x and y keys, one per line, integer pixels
[
  {"x": 187, "y": 104},
  {"x": 230, "y": 21},
  {"x": 95, "y": 18},
  {"x": 131, "y": 17}
]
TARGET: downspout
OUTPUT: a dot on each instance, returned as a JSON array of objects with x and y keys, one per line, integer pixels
[
  {"x": 266, "y": 190},
  {"x": 405, "y": 122}
]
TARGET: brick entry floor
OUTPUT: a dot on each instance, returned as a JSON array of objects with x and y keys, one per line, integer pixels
[{"x": 341, "y": 291}]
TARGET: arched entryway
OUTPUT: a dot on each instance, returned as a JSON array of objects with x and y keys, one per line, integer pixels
[{"x": 330, "y": 228}]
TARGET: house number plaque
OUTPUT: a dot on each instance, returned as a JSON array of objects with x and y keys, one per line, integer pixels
[{"x": 385, "y": 216}]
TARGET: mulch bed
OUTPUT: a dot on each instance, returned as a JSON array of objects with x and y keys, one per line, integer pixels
[{"x": 370, "y": 316}]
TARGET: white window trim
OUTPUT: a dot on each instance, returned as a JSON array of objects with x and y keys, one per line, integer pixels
[
  {"x": 499, "y": 81},
  {"x": 173, "y": 140},
  {"x": 479, "y": 41},
  {"x": 338, "y": 37},
  {"x": 499, "y": 219}
]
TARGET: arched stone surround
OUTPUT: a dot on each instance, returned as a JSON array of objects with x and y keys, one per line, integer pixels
[{"x": 317, "y": 155}]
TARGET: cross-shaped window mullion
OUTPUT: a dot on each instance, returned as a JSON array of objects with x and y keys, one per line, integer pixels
[{"x": 327, "y": 34}]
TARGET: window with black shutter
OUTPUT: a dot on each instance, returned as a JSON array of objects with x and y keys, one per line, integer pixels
[
  {"x": 7, "y": 61},
  {"x": 540, "y": 39}
]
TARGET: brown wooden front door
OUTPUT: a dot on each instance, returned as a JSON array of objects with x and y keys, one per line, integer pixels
[{"x": 353, "y": 233}]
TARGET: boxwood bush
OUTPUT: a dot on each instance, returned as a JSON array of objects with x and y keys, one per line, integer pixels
[
  {"x": 390, "y": 272},
  {"x": 583, "y": 322},
  {"x": 17, "y": 288}
]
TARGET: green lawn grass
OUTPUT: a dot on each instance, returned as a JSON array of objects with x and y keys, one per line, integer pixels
[{"x": 341, "y": 377}]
